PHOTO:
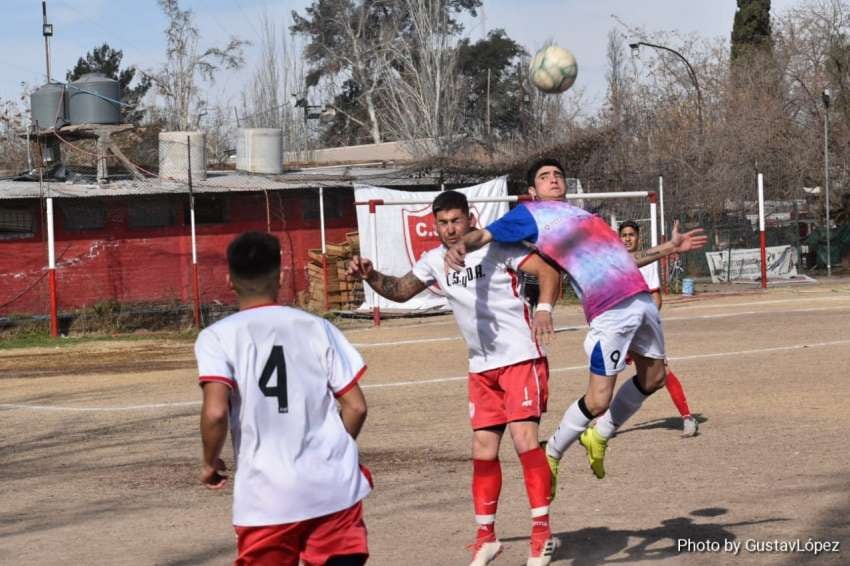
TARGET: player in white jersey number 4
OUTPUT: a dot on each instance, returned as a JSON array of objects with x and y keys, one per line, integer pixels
[
  {"x": 508, "y": 371},
  {"x": 276, "y": 374}
]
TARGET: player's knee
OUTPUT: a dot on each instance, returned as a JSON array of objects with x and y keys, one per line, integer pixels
[
  {"x": 524, "y": 436},
  {"x": 651, "y": 382},
  {"x": 596, "y": 402},
  {"x": 485, "y": 446}
]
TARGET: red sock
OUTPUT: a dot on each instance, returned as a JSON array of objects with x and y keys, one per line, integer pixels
[
  {"x": 486, "y": 486},
  {"x": 677, "y": 394},
  {"x": 538, "y": 485}
]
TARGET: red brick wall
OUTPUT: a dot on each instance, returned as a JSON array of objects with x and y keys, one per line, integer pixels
[{"x": 154, "y": 264}]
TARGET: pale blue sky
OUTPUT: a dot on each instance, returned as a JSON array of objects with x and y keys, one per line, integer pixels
[{"x": 135, "y": 26}]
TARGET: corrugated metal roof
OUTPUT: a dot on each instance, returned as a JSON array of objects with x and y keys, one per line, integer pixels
[{"x": 218, "y": 182}]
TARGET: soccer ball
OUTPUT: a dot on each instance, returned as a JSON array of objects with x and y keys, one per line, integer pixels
[{"x": 553, "y": 69}]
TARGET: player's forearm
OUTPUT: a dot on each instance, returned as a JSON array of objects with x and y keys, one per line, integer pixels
[
  {"x": 550, "y": 285},
  {"x": 398, "y": 289},
  {"x": 213, "y": 434},
  {"x": 353, "y": 419},
  {"x": 649, "y": 255},
  {"x": 477, "y": 239}
]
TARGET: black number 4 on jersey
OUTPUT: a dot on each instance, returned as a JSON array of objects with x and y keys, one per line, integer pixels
[{"x": 277, "y": 362}]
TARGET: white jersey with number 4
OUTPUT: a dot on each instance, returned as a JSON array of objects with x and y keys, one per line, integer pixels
[
  {"x": 294, "y": 458},
  {"x": 650, "y": 275},
  {"x": 487, "y": 304}
]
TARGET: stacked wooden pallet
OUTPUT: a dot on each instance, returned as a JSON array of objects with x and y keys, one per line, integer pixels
[{"x": 342, "y": 294}]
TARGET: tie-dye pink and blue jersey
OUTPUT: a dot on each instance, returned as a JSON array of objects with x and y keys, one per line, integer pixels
[{"x": 602, "y": 272}]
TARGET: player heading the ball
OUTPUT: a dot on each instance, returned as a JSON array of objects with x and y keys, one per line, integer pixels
[
  {"x": 605, "y": 276},
  {"x": 508, "y": 370}
]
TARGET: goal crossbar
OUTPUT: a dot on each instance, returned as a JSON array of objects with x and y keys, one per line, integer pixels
[
  {"x": 373, "y": 205},
  {"x": 516, "y": 198}
]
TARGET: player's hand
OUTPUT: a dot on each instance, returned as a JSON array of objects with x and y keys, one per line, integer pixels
[
  {"x": 454, "y": 256},
  {"x": 543, "y": 328},
  {"x": 689, "y": 241},
  {"x": 360, "y": 268},
  {"x": 213, "y": 477}
]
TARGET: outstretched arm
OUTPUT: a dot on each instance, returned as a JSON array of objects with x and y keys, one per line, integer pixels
[
  {"x": 678, "y": 243},
  {"x": 398, "y": 289},
  {"x": 472, "y": 241}
]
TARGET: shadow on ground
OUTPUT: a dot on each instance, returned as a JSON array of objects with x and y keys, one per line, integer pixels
[
  {"x": 668, "y": 423},
  {"x": 601, "y": 545}
]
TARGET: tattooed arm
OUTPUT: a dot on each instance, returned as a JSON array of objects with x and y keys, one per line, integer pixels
[
  {"x": 398, "y": 289},
  {"x": 679, "y": 243}
]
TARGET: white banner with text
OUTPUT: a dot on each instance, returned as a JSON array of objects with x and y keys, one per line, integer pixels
[{"x": 405, "y": 232}]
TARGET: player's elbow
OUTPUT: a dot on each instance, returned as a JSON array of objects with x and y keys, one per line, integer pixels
[
  {"x": 358, "y": 410},
  {"x": 214, "y": 414},
  {"x": 404, "y": 297}
]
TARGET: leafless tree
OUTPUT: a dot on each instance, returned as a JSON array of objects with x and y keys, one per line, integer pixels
[
  {"x": 277, "y": 86},
  {"x": 187, "y": 65},
  {"x": 13, "y": 149},
  {"x": 219, "y": 127},
  {"x": 421, "y": 90}
]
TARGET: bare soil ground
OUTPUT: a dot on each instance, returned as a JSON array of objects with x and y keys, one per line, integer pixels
[{"x": 99, "y": 451}]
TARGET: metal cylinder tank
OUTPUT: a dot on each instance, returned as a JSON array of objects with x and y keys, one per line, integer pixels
[
  {"x": 260, "y": 150},
  {"x": 94, "y": 99},
  {"x": 48, "y": 106},
  {"x": 174, "y": 153}
]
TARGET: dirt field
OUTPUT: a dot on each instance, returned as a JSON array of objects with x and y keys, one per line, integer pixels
[{"x": 100, "y": 450}]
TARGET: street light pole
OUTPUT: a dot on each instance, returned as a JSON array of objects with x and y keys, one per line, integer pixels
[
  {"x": 691, "y": 73},
  {"x": 826, "y": 100}
]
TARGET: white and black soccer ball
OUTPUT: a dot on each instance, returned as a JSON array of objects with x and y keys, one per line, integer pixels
[{"x": 553, "y": 69}]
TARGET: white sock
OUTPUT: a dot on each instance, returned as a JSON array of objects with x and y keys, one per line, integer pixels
[
  {"x": 625, "y": 404},
  {"x": 572, "y": 425}
]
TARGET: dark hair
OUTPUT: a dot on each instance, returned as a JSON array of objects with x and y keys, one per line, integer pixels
[
  {"x": 629, "y": 224},
  {"x": 450, "y": 200},
  {"x": 253, "y": 259},
  {"x": 535, "y": 167}
]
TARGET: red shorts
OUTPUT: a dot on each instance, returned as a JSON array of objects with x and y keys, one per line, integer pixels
[
  {"x": 511, "y": 393},
  {"x": 314, "y": 541}
]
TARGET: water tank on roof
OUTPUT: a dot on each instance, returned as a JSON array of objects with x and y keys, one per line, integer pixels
[
  {"x": 260, "y": 150},
  {"x": 94, "y": 99},
  {"x": 174, "y": 154},
  {"x": 48, "y": 106}
]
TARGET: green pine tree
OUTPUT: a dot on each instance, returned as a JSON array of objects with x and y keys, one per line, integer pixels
[
  {"x": 751, "y": 28},
  {"x": 107, "y": 61}
]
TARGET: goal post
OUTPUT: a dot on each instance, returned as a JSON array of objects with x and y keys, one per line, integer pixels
[{"x": 615, "y": 207}]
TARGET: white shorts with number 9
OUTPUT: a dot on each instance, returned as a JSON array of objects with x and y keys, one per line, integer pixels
[{"x": 633, "y": 325}]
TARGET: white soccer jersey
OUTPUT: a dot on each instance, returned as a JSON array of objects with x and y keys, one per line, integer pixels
[
  {"x": 650, "y": 275},
  {"x": 487, "y": 304},
  {"x": 294, "y": 458}
]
